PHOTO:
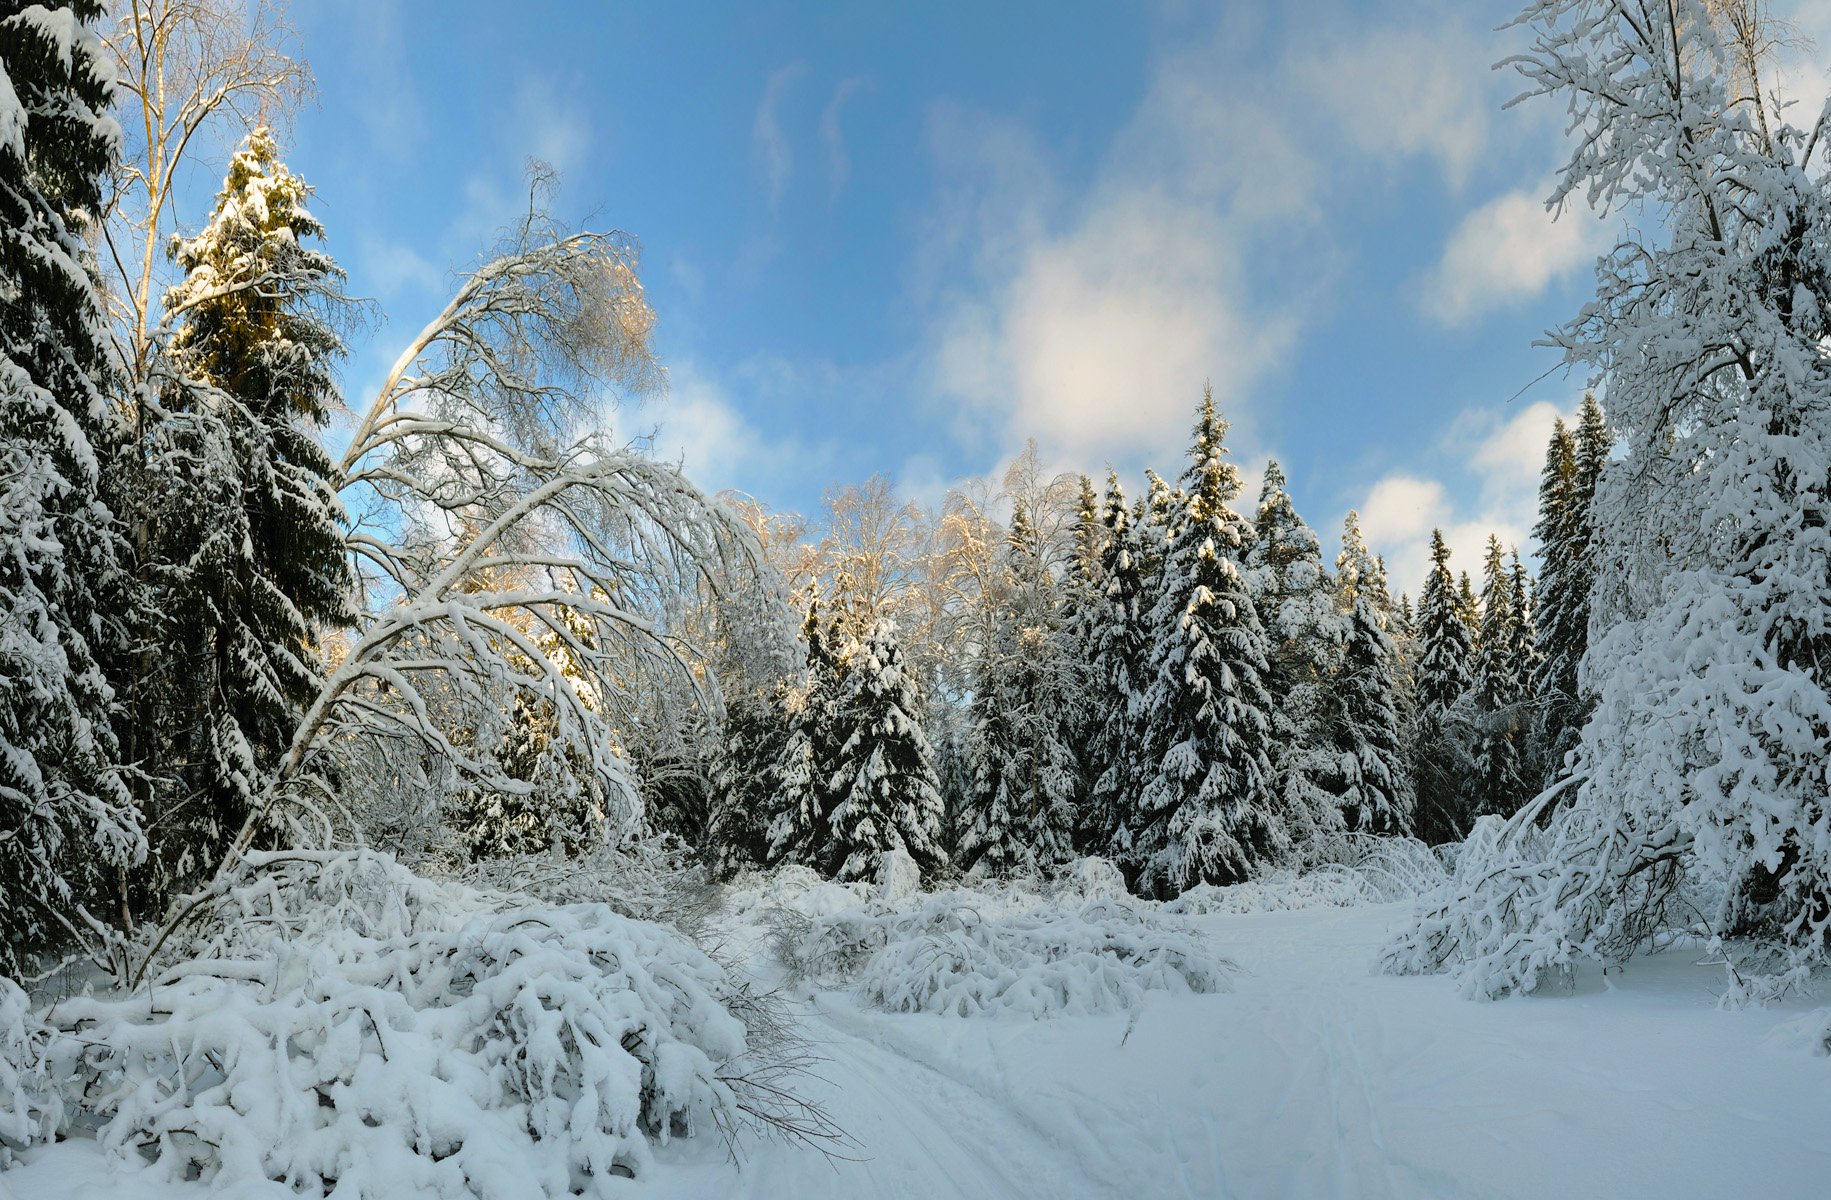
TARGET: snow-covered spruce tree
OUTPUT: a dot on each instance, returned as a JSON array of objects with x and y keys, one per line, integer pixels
[
  {"x": 1081, "y": 714},
  {"x": 1560, "y": 637},
  {"x": 749, "y": 629},
  {"x": 804, "y": 766},
  {"x": 1209, "y": 811},
  {"x": 1567, "y": 489},
  {"x": 1468, "y": 607},
  {"x": 1368, "y": 727},
  {"x": 1703, "y": 765},
  {"x": 66, "y": 821},
  {"x": 1304, "y": 633},
  {"x": 746, "y": 780},
  {"x": 246, "y": 565},
  {"x": 1118, "y": 674},
  {"x": 1526, "y": 665},
  {"x": 1442, "y": 759},
  {"x": 1500, "y": 784},
  {"x": 883, "y": 776},
  {"x": 1021, "y": 813},
  {"x": 1359, "y": 572}
]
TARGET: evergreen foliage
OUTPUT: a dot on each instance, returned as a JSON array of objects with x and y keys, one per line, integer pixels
[
  {"x": 1499, "y": 693},
  {"x": 746, "y": 779},
  {"x": 246, "y": 565},
  {"x": 1567, "y": 488},
  {"x": 1304, "y": 635},
  {"x": 66, "y": 820},
  {"x": 1023, "y": 783},
  {"x": 798, "y": 827},
  {"x": 1209, "y": 813},
  {"x": 1369, "y": 725},
  {"x": 1444, "y": 675},
  {"x": 886, "y": 796},
  {"x": 1118, "y": 675}
]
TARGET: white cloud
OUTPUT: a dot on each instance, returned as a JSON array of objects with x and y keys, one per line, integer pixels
[
  {"x": 769, "y": 147},
  {"x": 839, "y": 163},
  {"x": 389, "y": 268},
  {"x": 1099, "y": 342},
  {"x": 1088, "y": 313},
  {"x": 698, "y": 425},
  {"x": 1506, "y": 251},
  {"x": 1400, "y": 93},
  {"x": 1402, "y": 508},
  {"x": 1502, "y": 458},
  {"x": 549, "y": 127}
]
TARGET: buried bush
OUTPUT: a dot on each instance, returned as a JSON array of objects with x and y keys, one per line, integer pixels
[
  {"x": 958, "y": 955},
  {"x": 349, "y": 1029}
]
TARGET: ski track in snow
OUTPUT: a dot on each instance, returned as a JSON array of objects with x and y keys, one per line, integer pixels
[{"x": 1314, "y": 1078}]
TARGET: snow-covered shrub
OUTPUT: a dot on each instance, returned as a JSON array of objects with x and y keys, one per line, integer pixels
[
  {"x": 898, "y": 877},
  {"x": 520, "y": 1054},
  {"x": 1394, "y": 868},
  {"x": 650, "y": 879},
  {"x": 1344, "y": 870},
  {"x": 1278, "y": 891},
  {"x": 951, "y": 957},
  {"x": 792, "y": 889},
  {"x": 296, "y": 895},
  {"x": 1526, "y": 903},
  {"x": 1089, "y": 879},
  {"x": 30, "y": 1106},
  {"x": 341, "y": 1026}
]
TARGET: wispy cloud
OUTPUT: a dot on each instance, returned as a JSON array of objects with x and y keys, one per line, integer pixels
[
  {"x": 770, "y": 151},
  {"x": 1507, "y": 251},
  {"x": 701, "y": 425},
  {"x": 839, "y": 163}
]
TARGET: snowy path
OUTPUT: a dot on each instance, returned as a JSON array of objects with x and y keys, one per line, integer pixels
[
  {"x": 1317, "y": 1078},
  {"x": 1313, "y": 1079}
]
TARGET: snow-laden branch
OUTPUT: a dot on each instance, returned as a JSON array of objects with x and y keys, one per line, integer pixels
[{"x": 516, "y": 566}]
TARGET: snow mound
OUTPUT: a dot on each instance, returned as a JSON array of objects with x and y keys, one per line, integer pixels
[
  {"x": 898, "y": 877},
  {"x": 1390, "y": 868},
  {"x": 956, "y": 955},
  {"x": 791, "y": 892},
  {"x": 1809, "y": 1033},
  {"x": 355, "y": 1030}
]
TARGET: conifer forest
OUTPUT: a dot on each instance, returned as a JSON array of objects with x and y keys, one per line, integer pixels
[{"x": 417, "y": 783}]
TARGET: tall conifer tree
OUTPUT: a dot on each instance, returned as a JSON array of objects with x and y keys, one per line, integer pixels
[
  {"x": 66, "y": 821},
  {"x": 886, "y": 795},
  {"x": 1119, "y": 674},
  {"x": 1304, "y": 634},
  {"x": 1500, "y": 783},
  {"x": 1444, "y": 676},
  {"x": 249, "y": 559},
  {"x": 1209, "y": 812}
]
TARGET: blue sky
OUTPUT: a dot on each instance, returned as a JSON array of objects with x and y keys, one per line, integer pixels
[{"x": 901, "y": 239}]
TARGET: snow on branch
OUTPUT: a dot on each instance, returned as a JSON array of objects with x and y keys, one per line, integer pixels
[{"x": 515, "y": 564}]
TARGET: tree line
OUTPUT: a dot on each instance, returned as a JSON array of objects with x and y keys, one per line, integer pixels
[{"x": 1185, "y": 689}]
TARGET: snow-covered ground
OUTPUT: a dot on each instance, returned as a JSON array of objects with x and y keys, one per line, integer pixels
[{"x": 1314, "y": 1077}]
